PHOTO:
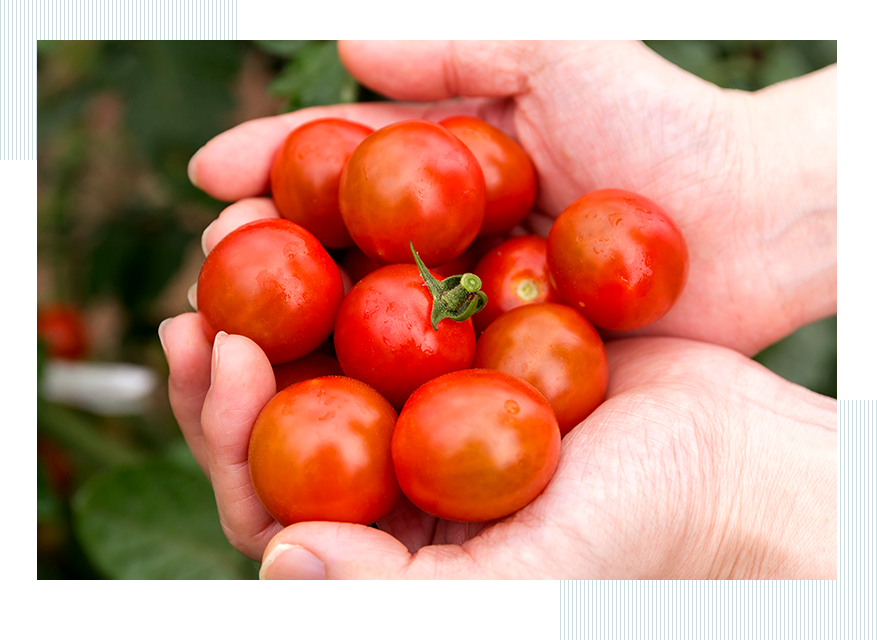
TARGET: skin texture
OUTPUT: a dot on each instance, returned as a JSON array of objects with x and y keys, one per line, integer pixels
[
  {"x": 320, "y": 450},
  {"x": 555, "y": 349},
  {"x": 618, "y": 259},
  {"x": 306, "y": 172},
  {"x": 413, "y": 181},
  {"x": 700, "y": 463}
]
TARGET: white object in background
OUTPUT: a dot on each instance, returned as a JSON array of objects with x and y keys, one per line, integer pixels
[{"x": 105, "y": 388}]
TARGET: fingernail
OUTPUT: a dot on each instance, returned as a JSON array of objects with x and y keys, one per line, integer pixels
[
  {"x": 291, "y": 562},
  {"x": 191, "y": 169},
  {"x": 192, "y": 296},
  {"x": 161, "y": 327},
  {"x": 204, "y": 237},
  {"x": 214, "y": 362}
]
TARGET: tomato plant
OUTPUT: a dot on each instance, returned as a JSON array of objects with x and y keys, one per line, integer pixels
[
  {"x": 384, "y": 334},
  {"x": 617, "y": 258},
  {"x": 61, "y": 327},
  {"x": 306, "y": 172},
  {"x": 272, "y": 281},
  {"x": 320, "y": 450},
  {"x": 513, "y": 273},
  {"x": 412, "y": 181},
  {"x": 508, "y": 172},
  {"x": 555, "y": 349},
  {"x": 475, "y": 445}
]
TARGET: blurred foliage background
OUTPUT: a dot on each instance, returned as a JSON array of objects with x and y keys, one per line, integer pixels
[{"x": 119, "y": 227}]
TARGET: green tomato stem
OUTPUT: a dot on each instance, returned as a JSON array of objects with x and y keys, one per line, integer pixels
[{"x": 457, "y": 297}]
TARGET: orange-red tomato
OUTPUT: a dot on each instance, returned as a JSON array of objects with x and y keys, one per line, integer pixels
[
  {"x": 62, "y": 329},
  {"x": 508, "y": 172},
  {"x": 306, "y": 172},
  {"x": 475, "y": 445},
  {"x": 617, "y": 258},
  {"x": 320, "y": 450},
  {"x": 513, "y": 273},
  {"x": 271, "y": 281},
  {"x": 316, "y": 364},
  {"x": 555, "y": 349},
  {"x": 412, "y": 181}
]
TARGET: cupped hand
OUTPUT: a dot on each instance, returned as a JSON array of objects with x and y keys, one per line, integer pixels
[
  {"x": 700, "y": 464},
  {"x": 749, "y": 178}
]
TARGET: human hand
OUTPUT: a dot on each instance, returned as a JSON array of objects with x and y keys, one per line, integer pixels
[
  {"x": 700, "y": 464},
  {"x": 749, "y": 178}
]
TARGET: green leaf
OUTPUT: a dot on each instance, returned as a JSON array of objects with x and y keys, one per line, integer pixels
[
  {"x": 281, "y": 48},
  {"x": 807, "y": 357},
  {"x": 315, "y": 76},
  {"x": 155, "y": 521}
]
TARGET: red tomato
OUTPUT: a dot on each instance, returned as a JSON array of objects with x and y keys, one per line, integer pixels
[
  {"x": 475, "y": 445},
  {"x": 555, "y": 349},
  {"x": 412, "y": 181},
  {"x": 270, "y": 280},
  {"x": 508, "y": 172},
  {"x": 513, "y": 273},
  {"x": 383, "y": 335},
  {"x": 61, "y": 327},
  {"x": 320, "y": 450},
  {"x": 314, "y": 365},
  {"x": 617, "y": 258},
  {"x": 306, "y": 172}
]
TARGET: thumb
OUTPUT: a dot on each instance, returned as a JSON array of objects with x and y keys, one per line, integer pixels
[
  {"x": 435, "y": 70},
  {"x": 343, "y": 551}
]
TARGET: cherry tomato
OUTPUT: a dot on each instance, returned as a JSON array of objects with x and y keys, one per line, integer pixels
[
  {"x": 62, "y": 329},
  {"x": 270, "y": 280},
  {"x": 412, "y": 181},
  {"x": 475, "y": 445},
  {"x": 358, "y": 265},
  {"x": 384, "y": 337},
  {"x": 513, "y": 273},
  {"x": 313, "y": 365},
  {"x": 617, "y": 258},
  {"x": 508, "y": 172},
  {"x": 306, "y": 172},
  {"x": 555, "y": 349},
  {"x": 320, "y": 450}
]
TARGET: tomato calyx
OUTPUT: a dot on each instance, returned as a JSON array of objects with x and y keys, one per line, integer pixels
[{"x": 455, "y": 297}]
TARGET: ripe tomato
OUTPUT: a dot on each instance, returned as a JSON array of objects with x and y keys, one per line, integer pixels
[
  {"x": 475, "y": 445},
  {"x": 62, "y": 328},
  {"x": 270, "y": 280},
  {"x": 313, "y": 365},
  {"x": 306, "y": 172},
  {"x": 508, "y": 172},
  {"x": 384, "y": 337},
  {"x": 555, "y": 349},
  {"x": 412, "y": 181},
  {"x": 513, "y": 273},
  {"x": 617, "y": 258},
  {"x": 320, "y": 450}
]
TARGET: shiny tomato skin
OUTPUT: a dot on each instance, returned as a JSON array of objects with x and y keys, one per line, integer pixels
[
  {"x": 383, "y": 335},
  {"x": 617, "y": 258},
  {"x": 316, "y": 364},
  {"x": 508, "y": 172},
  {"x": 555, "y": 349},
  {"x": 306, "y": 172},
  {"x": 513, "y": 273},
  {"x": 271, "y": 281},
  {"x": 412, "y": 181},
  {"x": 320, "y": 450},
  {"x": 475, "y": 445},
  {"x": 62, "y": 328}
]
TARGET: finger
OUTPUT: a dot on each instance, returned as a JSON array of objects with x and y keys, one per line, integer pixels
[
  {"x": 436, "y": 70},
  {"x": 187, "y": 350},
  {"x": 243, "y": 383},
  {"x": 234, "y": 216},
  {"x": 237, "y": 163}
]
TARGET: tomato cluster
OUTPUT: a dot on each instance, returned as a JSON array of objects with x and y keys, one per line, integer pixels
[{"x": 464, "y": 349}]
